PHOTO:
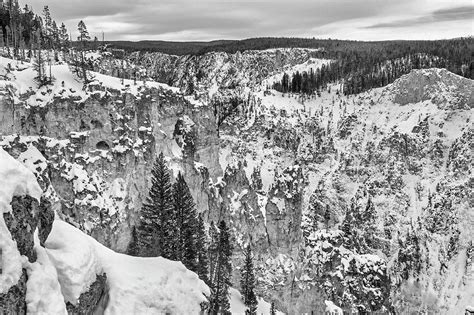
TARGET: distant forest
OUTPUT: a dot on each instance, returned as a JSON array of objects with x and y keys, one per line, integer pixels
[{"x": 362, "y": 65}]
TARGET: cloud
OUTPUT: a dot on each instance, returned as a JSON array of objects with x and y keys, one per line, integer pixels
[
  {"x": 441, "y": 15},
  {"x": 232, "y": 19}
]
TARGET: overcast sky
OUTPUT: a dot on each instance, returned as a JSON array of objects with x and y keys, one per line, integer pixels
[{"x": 237, "y": 19}]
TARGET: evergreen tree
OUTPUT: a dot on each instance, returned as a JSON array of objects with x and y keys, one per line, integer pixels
[
  {"x": 202, "y": 248},
  {"x": 157, "y": 214},
  {"x": 133, "y": 248},
  {"x": 83, "y": 38},
  {"x": 327, "y": 216},
  {"x": 184, "y": 234},
  {"x": 219, "y": 301},
  {"x": 47, "y": 26},
  {"x": 39, "y": 67},
  {"x": 55, "y": 35},
  {"x": 63, "y": 36},
  {"x": 247, "y": 282},
  {"x": 272, "y": 309}
]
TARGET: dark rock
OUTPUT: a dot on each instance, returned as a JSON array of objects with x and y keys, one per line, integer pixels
[
  {"x": 13, "y": 301},
  {"x": 22, "y": 222},
  {"x": 46, "y": 218},
  {"x": 347, "y": 125},
  {"x": 91, "y": 300}
]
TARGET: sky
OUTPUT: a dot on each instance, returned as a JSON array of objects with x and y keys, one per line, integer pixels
[{"x": 203, "y": 20}]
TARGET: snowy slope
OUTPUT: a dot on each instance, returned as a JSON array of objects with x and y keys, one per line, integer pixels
[
  {"x": 19, "y": 78},
  {"x": 238, "y": 307},
  {"x": 136, "y": 285}
]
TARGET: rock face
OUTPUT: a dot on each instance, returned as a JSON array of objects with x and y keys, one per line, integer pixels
[
  {"x": 89, "y": 301},
  {"x": 101, "y": 189},
  {"x": 21, "y": 223},
  {"x": 350, "y": 199},
  {"x": 25, "y": 217},
  {"x": 424, "y": 85},
  {"x": 13, "y": 302}
]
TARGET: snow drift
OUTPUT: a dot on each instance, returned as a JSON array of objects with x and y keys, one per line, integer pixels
[{"x": 136, "y": 285}]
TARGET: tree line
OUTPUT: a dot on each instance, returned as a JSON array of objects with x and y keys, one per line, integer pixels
[
  {"x": 361, "y": 76},
  {"x": 171, "y": 227},
  {"x": 26, "y": 35}
]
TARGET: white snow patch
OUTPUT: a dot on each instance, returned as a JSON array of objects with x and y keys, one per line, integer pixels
[
  {"x": 136, "y": 285},
  {"x": 332, "y": 309},
  {"x": 237, "y": 305},
  {"x": 43, "y": 292}
]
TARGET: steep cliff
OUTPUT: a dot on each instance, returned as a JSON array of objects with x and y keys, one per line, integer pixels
[{"x": 364, "y": 200}]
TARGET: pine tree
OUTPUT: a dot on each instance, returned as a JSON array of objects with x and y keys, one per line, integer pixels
[
  {"x": 133, "y": 248},
  {"x": 272, "y": 309},
  {"x": 184, "y": 234},
  {"x": 83, "y": 38},
  {"x": 202, "y": 248},
  {"x": 55, "y": 35},
  {"x": 39, "y": 64},
  {"x": 247, "y": 282},
  {"x": 47, "y": 26},
  {"x": 63, "y": 36},
  {"x": 219, "y": 301},
  {"x": 157, "y": 214},
  {"x": 39, "y": 67},
  {"x": 327, "y": 216}
]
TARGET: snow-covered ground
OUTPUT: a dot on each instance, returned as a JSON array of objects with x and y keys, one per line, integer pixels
[
  {"x": 20, "y": 80},
  {"x": 136, "y": 285},
  {"x": 238, "y": 307}
]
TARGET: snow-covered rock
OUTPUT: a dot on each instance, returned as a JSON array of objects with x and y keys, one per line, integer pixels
[{"x": 135, "y": 285}]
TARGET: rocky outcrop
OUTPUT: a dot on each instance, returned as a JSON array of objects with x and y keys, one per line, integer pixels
[
  {"x": 13, "y": 301},
  {"x": 22, "y": 223},
  {"x": 440, "y": 86},
  {"x": 90, "y": 301}
]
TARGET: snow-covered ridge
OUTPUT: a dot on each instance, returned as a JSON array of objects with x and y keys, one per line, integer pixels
[
  {"x": 19, "y": 84},
  {"x": 442, "y": 87}
]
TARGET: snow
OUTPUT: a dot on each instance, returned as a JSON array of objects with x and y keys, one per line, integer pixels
[
  {"x": 238, "y": 307},
  {"x": 43, "y": 291},
  {"x": 136, "y": 285},
  {"x": 176, "y": 150},
  {"x": 15, "y": 180},
  {"x": 332, "y": 309},
  {"x": 33, "y": 160},
  {"x": 66, "y": 83}
]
